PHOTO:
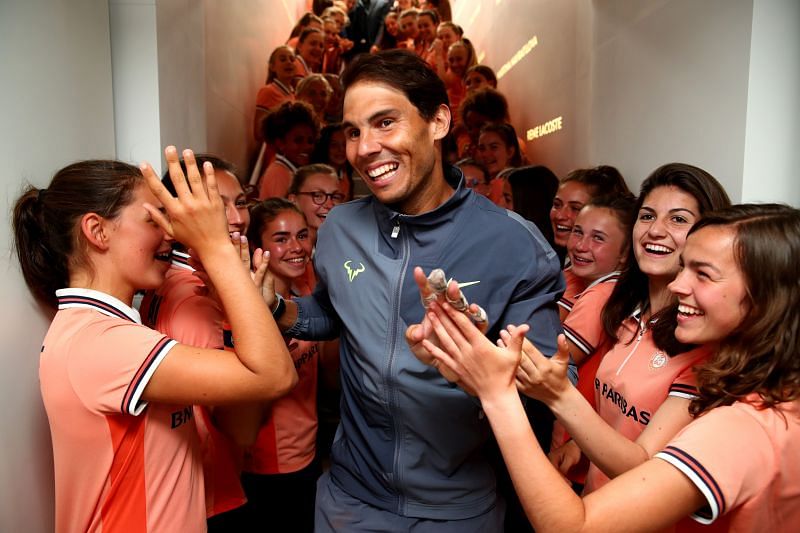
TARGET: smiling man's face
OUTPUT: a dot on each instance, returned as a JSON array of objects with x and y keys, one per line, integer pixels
[{"x": 393, "y": 147}]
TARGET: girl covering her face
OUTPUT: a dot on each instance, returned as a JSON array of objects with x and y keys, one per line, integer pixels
[{"x": 101, "y": 231}]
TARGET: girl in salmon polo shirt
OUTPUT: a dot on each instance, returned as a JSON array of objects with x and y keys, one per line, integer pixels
[
  {"x": 292, "y": 129},
  {"x": 280, "y": 469},
  {"x": 309, "y": 51},
  {"x": 598, "y": 251},
  {"x": 119, "y": 395},
  {"x": 279, "y": 89},
  {"x": 479, "y": 77},
  {"x": 735, "y": 467},
  {"x": 281, "y": 72},
  {"x": 449, "y": 32},
  {"x": 460, "y": 56}
]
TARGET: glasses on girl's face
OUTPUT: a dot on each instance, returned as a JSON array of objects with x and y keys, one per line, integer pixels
[{"x": 319, "y": 197}]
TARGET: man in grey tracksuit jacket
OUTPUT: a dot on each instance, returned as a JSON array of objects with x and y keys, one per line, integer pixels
[{"x": 408, "y": 454}]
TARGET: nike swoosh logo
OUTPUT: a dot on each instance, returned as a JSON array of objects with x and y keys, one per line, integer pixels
[{"x": 465, "y": 284}]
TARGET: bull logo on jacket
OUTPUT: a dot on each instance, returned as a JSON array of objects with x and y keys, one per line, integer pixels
[{"x": 352, "y": 273}]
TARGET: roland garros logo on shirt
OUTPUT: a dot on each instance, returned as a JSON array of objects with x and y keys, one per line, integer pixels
[{"x": 659, "y": 360}]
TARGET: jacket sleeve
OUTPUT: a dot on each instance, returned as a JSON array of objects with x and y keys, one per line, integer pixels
[
  {"x": 534, "y": 300},
  {"x": 316, "y": 318}
]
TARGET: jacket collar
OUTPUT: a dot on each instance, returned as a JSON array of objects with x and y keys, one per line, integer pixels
[{"x": 388, "y": 217}]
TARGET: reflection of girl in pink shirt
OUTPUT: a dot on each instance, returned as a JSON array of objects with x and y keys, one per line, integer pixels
[{"x": 598, "y": 251}]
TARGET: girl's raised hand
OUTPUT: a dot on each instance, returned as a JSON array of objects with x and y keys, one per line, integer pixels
[
  {"x": 481, "y": 368},
  {"x": 565, "y": 456},
  {"x": 242, "y": 247},
  {"x": 196, "y": 218},
  {"x": 263, "y": 278},
  {"x": 540, "y": 377}
]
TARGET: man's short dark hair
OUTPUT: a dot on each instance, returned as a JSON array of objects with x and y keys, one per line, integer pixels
[{"x": 404, "y": 71}]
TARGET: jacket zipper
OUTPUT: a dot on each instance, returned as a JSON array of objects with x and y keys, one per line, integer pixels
[{"x": 392, "y": 397}]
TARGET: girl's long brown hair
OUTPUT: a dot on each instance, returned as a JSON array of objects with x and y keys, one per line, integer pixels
[{"x": 763, "y": 354}]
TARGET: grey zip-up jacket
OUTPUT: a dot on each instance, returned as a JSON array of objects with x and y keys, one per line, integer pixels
[{"x": 410, "y": 442}]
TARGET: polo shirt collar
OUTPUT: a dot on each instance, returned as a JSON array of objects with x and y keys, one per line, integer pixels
[{"x": 101, "y": 302}]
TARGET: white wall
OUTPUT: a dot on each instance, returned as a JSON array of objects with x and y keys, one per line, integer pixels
[
  {"x": 670, "y": 83},
  {"x": 56, "y": 104},
  {"x": 180, "y": 30},
  {"x": 239, "y": 36},
  {"x": 772, "y": 150},
  {"x": 638, "y": 84},
  {"x": 186, "y": 72},
  {"x": 134, "y": 58}
]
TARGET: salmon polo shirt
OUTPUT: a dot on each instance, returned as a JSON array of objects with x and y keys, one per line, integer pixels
[{"x": 120, "y": 464}]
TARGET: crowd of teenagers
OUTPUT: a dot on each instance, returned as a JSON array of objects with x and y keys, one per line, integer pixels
[
  {"x": 497, "y": 349},
  {"x": 299, "y": 109}
]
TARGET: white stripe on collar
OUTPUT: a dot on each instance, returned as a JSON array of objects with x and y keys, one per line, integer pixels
[
  {"x": 283, "y": 87},
  {"x": 282, "y": 159},
  {"x": 106, "y": 304},
  {"x": 181, "y": 260},
  {"x": 303, "y": 61},
  {"x": 601, "y": 279}
]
